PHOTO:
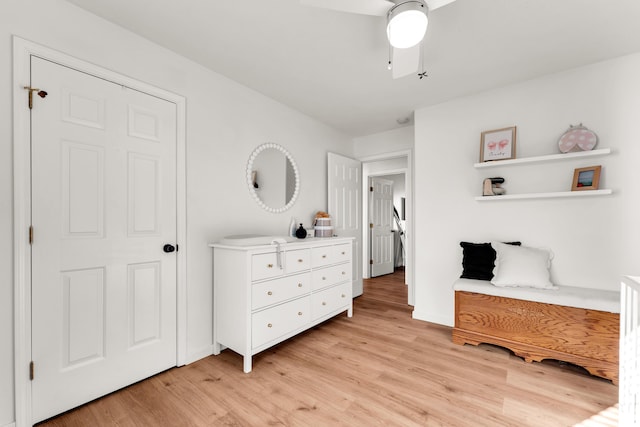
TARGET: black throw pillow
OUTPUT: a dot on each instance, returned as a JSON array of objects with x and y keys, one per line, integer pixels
[{"x": 478, "y": 260}]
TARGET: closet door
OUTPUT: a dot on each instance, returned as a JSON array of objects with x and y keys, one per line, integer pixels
[{"x": 103, "y": 209}]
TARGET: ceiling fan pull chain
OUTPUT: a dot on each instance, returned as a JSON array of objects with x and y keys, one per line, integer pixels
[
  {"x": 389, "y": 63},
  {"x": 424, "y": 72}
]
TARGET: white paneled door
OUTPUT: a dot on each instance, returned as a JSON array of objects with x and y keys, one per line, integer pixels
[
  {"x": 103, "y": 209},
  {"x": 344, "y": 186},
  {"x": 381, "y": 225}
]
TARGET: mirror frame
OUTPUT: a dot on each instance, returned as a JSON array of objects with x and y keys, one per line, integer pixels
[{"x": 252, "y": 190}]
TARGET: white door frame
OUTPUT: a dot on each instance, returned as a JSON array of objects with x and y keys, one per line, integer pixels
[
  {"x": 22, "y": 51},
  {"x": 409, "y": 226}
]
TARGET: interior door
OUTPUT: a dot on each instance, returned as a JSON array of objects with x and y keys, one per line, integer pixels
[
  {"x": 103, "y": 208},
  {"x": 381, "y": 226},
  {"x": 344, "y": 189}
]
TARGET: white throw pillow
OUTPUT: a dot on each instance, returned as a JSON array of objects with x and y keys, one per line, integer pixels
[{"x": 521, "y": 266}]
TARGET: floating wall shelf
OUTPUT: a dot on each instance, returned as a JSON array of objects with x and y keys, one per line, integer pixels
[
  {"x": 542, "y": 159},
  {"x": 545, "y": 159},
  {"x": 559, "y": 194}
]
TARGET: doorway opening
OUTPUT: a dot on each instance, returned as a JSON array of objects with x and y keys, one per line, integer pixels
[{"x": 397, "y": 247}]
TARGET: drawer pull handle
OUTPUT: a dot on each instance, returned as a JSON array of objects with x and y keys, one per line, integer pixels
[
  {"x": 299, "y": 285},
  {"x": 324, "y": 303},
  {"x": 343, "y": 295},
  {"x": 324, "y": 278},
  {"x": 324, "y": 256},
  {"x": 299, "y": 313},
  {"x": 269, "y": 265},
  {"x": 269, "y": 325},
  {"x": 300, "y": 260},
  {"x": 343, "y": 273},
  {"x": 343, "y": 253},
  {"x": 269, "y": 293}
]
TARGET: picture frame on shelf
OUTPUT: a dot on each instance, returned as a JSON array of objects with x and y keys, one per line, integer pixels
[
  {"x": 498, "y": 144},
  {"x": 586, "y": 178}
]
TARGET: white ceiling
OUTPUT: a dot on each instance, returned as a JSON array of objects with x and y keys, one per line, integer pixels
[{"x": 333, "y": 66}]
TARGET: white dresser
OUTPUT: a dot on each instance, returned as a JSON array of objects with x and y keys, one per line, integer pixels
[{"x": 262, "y": 298}]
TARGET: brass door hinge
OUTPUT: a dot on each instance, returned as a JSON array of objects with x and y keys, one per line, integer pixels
[
  {"x": 371, "y": 261},
  {"x": 41, "y": 94},
  {"x": 31, "y": 234},
  {"x": 32, "y": 369},
  {"x": 370, "y": 225},
  {"x": 371, "y": 189}
]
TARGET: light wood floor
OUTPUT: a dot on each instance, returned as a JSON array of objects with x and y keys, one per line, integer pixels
[{"x": 379, "y": 368}]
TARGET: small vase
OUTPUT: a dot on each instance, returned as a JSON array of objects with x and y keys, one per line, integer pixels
[{"x": 301, "y": 233}]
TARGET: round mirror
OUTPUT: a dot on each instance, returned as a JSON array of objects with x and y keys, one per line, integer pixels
[{"x": 272, "y": 177}]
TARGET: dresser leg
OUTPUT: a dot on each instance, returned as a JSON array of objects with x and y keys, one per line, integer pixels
[
  {"x": 247, "y": 364},
  {"x": 216, "y": 348},
  {"x": 350, "y": 312}
]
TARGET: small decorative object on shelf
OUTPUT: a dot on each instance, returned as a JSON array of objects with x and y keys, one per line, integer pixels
[
  {"x": 577, "y": 138},
  {"x": 493, "y": 187},
  {"x": 499, "y": 144},
  {"x": 586, "y": 178},
  {"x": 301, "y": 233},
  {"x": 322, "y": 225}
]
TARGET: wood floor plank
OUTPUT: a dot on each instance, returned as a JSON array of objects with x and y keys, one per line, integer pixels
[{"x": 378, "y": 368}]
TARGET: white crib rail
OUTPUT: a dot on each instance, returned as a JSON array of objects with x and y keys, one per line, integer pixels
[{"x": 629, "y": 405}]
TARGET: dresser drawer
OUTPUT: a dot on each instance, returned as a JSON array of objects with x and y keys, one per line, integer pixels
[
  {"x": 269, "y": 324},
  {"x": 329, "y": 276},
  {"x": 342, "y": 253},
  {"x": 321, "y": 256},
  {"x": 298, "y": 260},
  {"x": 264, "y": 266},
  {"x": 278, "y": 290},
  {"x": 327, "y": 255},
  {"x": 330, "y": 300}
]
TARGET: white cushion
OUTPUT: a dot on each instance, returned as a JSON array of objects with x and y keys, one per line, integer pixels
[
  {"x": 521, "y": 266},
  {"x": 570, "y": 296}
]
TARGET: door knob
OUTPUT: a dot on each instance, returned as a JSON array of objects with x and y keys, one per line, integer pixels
[{"x": 168, "y": 248}]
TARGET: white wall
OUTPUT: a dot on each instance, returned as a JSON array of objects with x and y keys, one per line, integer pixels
[
  {"x": 225, "y": 122},
  {"x": 591, "y": 237},
  {"x": 384, "y": 142}
]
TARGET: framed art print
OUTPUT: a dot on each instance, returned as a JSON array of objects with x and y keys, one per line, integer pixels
[
  {"x": 499, "y": 144},
  {"x": 586, "y": 178}
]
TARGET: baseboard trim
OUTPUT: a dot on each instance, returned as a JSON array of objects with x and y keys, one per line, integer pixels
[
  {"x": 431, "y": 318},
  {"x": 200, "y": 354}
]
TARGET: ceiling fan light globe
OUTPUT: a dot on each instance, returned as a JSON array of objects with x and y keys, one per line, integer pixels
[{"x": 407, "y": 24}]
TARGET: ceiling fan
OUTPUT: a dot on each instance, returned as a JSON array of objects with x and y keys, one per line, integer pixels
[{"x": 406, "y": 26}]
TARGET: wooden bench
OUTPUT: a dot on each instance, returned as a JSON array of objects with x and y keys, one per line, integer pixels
[{"x": 575, "y": 325}]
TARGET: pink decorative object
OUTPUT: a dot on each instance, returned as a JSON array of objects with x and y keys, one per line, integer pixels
[{"x": 577, "y": 138}]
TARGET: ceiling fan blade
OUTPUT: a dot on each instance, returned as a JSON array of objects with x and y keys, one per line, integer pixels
[
  {"x": 405, "y": 61},
  {"x": 434, "y": 4},
  {"x": 363, "y": 7}
]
